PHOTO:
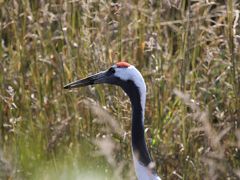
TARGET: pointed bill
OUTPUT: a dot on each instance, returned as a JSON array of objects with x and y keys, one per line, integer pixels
[{"x": 93, "y": 79}]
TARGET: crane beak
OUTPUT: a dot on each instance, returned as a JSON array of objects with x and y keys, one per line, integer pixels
[{"x": 93, "y": 79}]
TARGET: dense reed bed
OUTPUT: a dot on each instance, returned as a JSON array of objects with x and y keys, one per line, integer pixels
[{"x": 188, "y": 53}]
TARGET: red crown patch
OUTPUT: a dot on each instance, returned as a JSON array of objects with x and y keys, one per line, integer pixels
[{"x": 122, "y": 64}]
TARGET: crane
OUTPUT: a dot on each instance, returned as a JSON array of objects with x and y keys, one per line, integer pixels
[{"x": 131, "y": 81}]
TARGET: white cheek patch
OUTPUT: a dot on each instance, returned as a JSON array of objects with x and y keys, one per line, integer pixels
[{"x": 131, "y": 73}]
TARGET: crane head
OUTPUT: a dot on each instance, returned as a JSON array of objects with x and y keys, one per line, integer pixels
[{"x": 120, "y": 74}]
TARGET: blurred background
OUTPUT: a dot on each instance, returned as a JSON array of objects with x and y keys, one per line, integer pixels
[{"x": 188, "y": 53}]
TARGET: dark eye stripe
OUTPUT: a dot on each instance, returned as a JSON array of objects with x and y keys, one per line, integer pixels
[{"x": 111, "y": 71}]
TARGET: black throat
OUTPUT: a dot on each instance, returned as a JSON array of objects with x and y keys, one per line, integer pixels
[{"x": 138, "y": 138}]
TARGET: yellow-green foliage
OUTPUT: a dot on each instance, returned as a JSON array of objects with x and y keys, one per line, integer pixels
[{"x": 188, "y": 53}]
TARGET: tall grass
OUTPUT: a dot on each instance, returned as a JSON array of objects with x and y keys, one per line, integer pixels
[{"x": 188, "y": 53}]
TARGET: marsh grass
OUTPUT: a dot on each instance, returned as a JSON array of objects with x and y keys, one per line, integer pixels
[{"x": 188, "y": 53}]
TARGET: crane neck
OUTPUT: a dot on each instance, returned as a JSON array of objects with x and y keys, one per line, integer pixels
[
  {"x": 141, "y": 156},
  {"x": 138, "y": 99}
]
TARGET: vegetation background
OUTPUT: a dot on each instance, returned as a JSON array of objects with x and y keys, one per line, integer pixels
[{"x": 188, "y": 53}]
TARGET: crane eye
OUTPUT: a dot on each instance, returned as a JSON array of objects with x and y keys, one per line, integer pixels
[{"x": 111, "y": 70}]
